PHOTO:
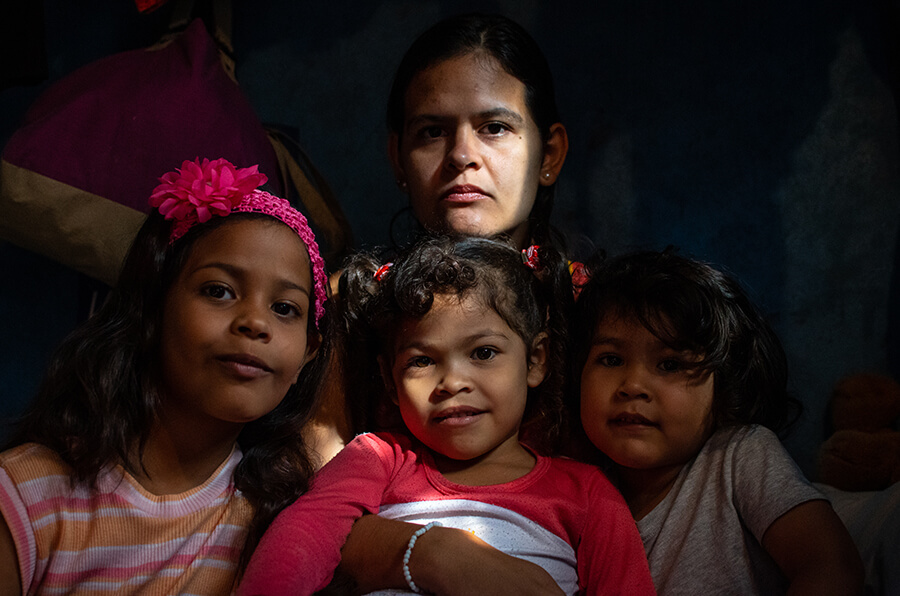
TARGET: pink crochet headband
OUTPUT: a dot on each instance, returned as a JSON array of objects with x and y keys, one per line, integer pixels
[{"x": 199, "y": 190}]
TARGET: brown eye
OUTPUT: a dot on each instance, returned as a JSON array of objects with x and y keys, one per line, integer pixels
[
  {"x": 431, "y": 132},
  {"x": 494, "y": 128},
  {"x": 484, "y": 353},
  {"x": 671, "y": 365},
  {"x": 610, "y": 360},
  {"x": 217, "y": 291},
  {"x": 420, "y": 362},
  {"x": 285, "y": 309}
]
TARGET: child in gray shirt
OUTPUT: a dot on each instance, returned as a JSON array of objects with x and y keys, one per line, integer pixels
[{"x": 681, "y": 380}]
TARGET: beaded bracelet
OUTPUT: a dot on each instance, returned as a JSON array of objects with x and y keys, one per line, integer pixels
[{"x": 409, "y": 547}]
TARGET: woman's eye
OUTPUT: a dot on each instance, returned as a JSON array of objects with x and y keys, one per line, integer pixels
[
  {"x": 431, "y": 132},
  {"x": 494, "y": 128},
  {"x": 484, "y": 353},
  {"x": 218, "y": 291},
  {"x": 285, "y": 309}
]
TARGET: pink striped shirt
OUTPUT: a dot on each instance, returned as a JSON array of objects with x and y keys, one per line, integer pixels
[{"x": 119, "y": 537}]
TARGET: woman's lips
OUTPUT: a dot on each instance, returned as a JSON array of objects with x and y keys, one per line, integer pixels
[{"x": 464, "y": 193}]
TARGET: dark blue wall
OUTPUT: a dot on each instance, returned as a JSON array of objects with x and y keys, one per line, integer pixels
[{"x": 761, "y": 136}]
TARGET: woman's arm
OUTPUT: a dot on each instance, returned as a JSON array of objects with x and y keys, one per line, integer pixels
[
  {"x": 10, "y": 578},
  {"x": 815, "y": 551},
  {"x": 445, "y": 561},
  {"x": 329, "y": 430}
]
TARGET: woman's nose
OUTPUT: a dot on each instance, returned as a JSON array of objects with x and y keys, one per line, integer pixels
[{"x": 464, "y": 152}]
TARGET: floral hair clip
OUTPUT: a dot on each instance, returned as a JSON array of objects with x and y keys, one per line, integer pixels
[
  {"x": 579, "y": 275},
  {"x": 530, "y": 257},
  {"x": 382, "y": 271},
  {"x": 200, "y": 190}
]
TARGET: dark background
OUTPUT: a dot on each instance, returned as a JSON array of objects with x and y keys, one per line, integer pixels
[{"x": 761, "y": 136}]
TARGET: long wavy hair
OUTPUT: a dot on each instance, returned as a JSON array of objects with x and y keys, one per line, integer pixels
[
  {"x": 98, "y": 401},
  {"x": 690, "y": 305},
  {"x": 492, "y": 271},
  {"x": 516, "y": 52}
]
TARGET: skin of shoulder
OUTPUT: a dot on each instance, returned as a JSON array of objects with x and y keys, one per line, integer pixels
[{"x": 10, "y": 579}]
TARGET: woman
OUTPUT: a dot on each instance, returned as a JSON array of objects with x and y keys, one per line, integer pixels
[
  {"x": 475, "y": 142},
  {"x": 475, "y": 138},
  {"x": 477, "y": 145}
]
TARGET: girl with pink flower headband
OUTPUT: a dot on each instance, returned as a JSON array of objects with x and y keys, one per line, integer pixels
[{"x": 167, "y": 432}]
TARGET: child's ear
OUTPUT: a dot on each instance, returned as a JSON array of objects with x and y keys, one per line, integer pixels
[
  {"x": 537, "y": 360},
  {"x": 388, "y": 379}
]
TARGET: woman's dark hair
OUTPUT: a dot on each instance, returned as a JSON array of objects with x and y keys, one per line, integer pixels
[
  {"x": 97, "y": 403},
  {"x": 690, "y": 305},
  {"x": 515, "y": 51},
  {"x": 491, "y": 271}
]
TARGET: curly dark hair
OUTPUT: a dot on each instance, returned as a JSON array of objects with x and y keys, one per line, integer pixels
[
  {"x": 463, "y": 266},
  {"x": 98, "y": 399},
  {"x": 690, "y": 305}
]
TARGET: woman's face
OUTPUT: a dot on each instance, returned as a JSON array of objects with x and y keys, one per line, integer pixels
[{"x": 470, "y": 155}]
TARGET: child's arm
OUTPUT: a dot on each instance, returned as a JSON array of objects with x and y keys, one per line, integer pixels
[
  {"x": 300, "y": 550},
  {"x": 815, "y": 551},
  {"x": 10, "y": 579},
  {"x": 444, "y": 561},
  {"x": 808, "y": 542}
]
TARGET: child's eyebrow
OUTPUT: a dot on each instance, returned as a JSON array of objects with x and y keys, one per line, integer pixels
[
  {"x": 604, "y": 340},
  {"x": 471, "y": 338},
  {"x": 235, "y": 271}
]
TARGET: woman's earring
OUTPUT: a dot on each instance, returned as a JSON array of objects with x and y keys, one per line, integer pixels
[{"x": 402, "y": 185}]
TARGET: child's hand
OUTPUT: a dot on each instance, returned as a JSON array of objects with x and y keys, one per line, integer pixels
[{"x": 445, "y": 561}]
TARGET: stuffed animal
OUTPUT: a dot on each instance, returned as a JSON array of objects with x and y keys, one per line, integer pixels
[{"x": 863, "y": 453}]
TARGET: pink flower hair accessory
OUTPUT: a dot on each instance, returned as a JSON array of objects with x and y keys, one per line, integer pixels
[{"x": 200, "y": 190}]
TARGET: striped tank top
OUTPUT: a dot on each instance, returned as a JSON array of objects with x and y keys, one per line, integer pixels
[{"x": 119, "y": 538}]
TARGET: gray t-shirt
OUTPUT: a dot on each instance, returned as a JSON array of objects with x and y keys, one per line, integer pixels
[{"x": 704, "y": 537}]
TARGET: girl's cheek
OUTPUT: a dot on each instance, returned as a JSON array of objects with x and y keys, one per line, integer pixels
[{"x": 590, "y": 421}]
